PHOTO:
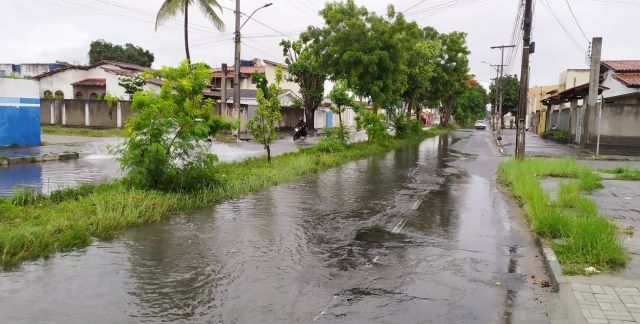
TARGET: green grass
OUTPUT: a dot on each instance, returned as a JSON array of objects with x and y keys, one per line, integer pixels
[
  {"x": 590, "y": 239},
  {"x": 624, "y": 173},
  {"x": 34, "y": 226},
  {"x": 87, "y": 132}
]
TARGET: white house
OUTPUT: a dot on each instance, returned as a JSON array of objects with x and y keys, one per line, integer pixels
[
  {"x": 623, "y": 80},
  {"x": 85, "y": 82}
]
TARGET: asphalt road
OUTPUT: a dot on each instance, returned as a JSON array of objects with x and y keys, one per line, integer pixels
[{"x": 417, "y": 235}]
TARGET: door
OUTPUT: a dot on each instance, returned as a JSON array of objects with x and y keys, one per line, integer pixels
[{"x": 328, "y": 119}]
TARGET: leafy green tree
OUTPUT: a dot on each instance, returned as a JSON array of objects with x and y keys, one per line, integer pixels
[
  {"x": 470, "y": 103},
  {"x": 101, "y": 50},
  {"x": 62, "y": 62},
  {"x": 366, "y": 50},
  {"x": 451, "y": 70},
  {"x": 170, "y": 9},
  {"x": 420, "y": 70},
  {"x": 133, "y": 84},
  {"x": 305, "y": 70},
  {"x": 263, "y": 124},
  {"x": 164, "y": 146},
  {"x": 340, "y": 99},
  {"x": 510, "y": 95},
  {"x": 261, "y": 82}
]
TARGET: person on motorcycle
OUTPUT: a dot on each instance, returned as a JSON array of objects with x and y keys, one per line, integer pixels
[{"x": 303, "y": 127}]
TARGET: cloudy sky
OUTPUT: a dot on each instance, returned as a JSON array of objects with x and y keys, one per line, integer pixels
[{"x": 43, "y": 31}]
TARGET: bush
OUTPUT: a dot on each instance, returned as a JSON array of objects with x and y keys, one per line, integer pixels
[
  {"x": 561, "y": 135},
  {"x": 375, "y": 127},
  {"x": 547, "y": 134},
  {"x": 404, "y": 127}
]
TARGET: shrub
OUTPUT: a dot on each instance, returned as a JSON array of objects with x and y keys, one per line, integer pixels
[
  {"x": 561, "y": 135},
  {"x": 546, "y": 134}
]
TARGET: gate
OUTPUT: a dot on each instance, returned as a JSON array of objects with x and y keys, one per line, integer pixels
[{"x": 328, "y": 119}]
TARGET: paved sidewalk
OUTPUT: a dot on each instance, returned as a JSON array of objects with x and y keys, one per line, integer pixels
[{"x": 536, "y": 145}]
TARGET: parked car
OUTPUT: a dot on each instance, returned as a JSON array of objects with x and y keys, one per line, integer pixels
[{"x": 480, "y": 124}]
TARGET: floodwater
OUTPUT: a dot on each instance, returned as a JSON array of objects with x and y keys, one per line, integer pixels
[{"x": 416, "y": 235}]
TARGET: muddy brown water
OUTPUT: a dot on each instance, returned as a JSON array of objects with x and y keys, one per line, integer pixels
[{"x": 400, "y": 237}]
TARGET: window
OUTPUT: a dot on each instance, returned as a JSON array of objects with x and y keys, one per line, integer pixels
[
  {"x": 94, "y": 96},
  {"x": 102, "y": 96},
  {"x": 59, "y": 94},
  {"x": 79, "y": 95},
  {"x": 48, "y": 95}
]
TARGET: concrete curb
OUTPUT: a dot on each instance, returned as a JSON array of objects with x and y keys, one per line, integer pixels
[
  {"x": 39, "y": 159},
  {"x": 553, "y": 266},
  {"x": 500, "y": 147}
]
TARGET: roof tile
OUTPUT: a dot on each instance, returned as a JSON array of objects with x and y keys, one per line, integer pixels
[
  {"x": 97, "y": 82},
  {"x": 623, "y": 65},
  {"x": 631, "y": 80}
]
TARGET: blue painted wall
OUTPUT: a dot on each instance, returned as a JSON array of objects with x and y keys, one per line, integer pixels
[{"x": 19, "y": 121}]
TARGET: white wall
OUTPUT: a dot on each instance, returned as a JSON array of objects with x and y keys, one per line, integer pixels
[
  {"x": 270, "y": 73},
  {"x": 616, "y": 88},
  {"x": 33, "y": 69},
  {"x": 18, "y": 88}
]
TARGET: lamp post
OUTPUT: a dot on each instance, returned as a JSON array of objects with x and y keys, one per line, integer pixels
[{"x": 236, "y": 67}]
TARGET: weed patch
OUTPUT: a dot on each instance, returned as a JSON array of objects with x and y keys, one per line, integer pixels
[
  {"x": 590, "y": 239},
  {"x": 624, "y": 173},
  {"x": 87, "y": 132}
]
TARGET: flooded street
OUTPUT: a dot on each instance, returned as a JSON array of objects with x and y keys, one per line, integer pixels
[{"x": 417, "y": 235}]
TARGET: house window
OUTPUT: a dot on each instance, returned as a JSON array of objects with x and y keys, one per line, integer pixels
[
  {"x": 59, "y": 94},
  {"x": 253, "y": 81},
  {"x": 48, "y": 94},
  {"x": 102, "y": 96},
  {"x": 94, "y": 96},
  {"x": 79, "y": 95}
]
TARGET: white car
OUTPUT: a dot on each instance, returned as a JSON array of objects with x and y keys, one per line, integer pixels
[{"x": 480, "y": 124}]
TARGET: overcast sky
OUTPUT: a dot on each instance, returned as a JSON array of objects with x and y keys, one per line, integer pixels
[{"x": 43, "y": 31}]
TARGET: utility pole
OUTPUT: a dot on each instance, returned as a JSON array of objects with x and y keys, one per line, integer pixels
[
  {"x": 524, "y": 78},
  {"x": 594, "y": 85},
  {"x": 223, "y": 91},
  {"x": 236, "y": 69},
  {"x": 501, "y": 85},
  {"x": 494, "y": 110}
]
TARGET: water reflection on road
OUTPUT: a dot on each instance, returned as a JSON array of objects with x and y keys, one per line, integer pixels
[{"x": 400, "y": 237}]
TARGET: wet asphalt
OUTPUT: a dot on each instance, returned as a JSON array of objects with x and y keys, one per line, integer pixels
[{"x": 420, "y": 234}]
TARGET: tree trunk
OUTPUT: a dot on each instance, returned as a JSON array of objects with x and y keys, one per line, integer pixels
[
  {"x": 269, "y": 154},
  {"x": 447, "y": 111},
  {"x": 310, "y": 112},
  {"x": 341, "y": 126},
  {"x": 186, "y": 30}
]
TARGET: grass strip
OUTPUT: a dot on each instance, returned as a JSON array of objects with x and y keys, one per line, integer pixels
[
  {"x": 86, "y": 132},
  {"x": 623, "y": 173},
  {"x": 34, "y": 225},
  {"x": 587, "y": 238}
]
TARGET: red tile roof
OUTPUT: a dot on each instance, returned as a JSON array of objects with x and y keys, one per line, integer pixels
[
  {"x": 631, "y": 80},
  {"x": 246, "y": 70},
  {"x": 96, "y": 82},
  {"x": 623, "y": 65},
  {"x": 126, "y": 66}
]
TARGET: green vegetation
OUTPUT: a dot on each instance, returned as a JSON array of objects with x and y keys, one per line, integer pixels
[
  {"x": 88, "y": 132},
  {"x": 624, "y": 173},
  {"x": 34, "y": 225},
  {"x": 263, "y": 124},
  {"x": 590, "y": 239},
  {"x": 101, "y": 50}
]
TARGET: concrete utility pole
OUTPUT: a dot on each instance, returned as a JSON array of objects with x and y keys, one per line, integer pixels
[
  {"x": 236, "y": 67},
  {"x": 501, "y": 85},
  {"x": 494, "y": 110},
  {"x": 223, "y": 91},
  {"x": 524, "y": 78},
  {"x": 594, "y": 84}
]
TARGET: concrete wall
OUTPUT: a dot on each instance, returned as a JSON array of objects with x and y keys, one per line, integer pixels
[
  {"x": 290, "y": 117},
  {"x": 620, "y": 125},
  {"x": 19, "y": 112},
  {"x": 563, "y": 120},
  {"x": 125, "y": 111},
  {"x": 99, "y": 114},
  {"x": 74, "y": 113},
  {"x": 84, "y": 113}
]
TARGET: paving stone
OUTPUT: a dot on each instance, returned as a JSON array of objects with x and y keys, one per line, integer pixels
[
  {"x": 628, "y": 293},
  {"x": 597, "y": 289},
  {"x": 597, "y": 314},
  {"x": 619, "y": 307},
  {"x": 627, "y": 299},
  {"x": 626, "y": 289},
  {"x": 587, "y": 302},
  {"x": 589, "y": 296},
  {"x": 586, "y": 313},
  {"x": 620, "y": 318},
  {"x": 628, "y": 322},
  {"x": 590, "y": 307},
  {"x": 596, "y": 320},
  {"x": 634, "y": 308},
  {"x": 636, "y": 298},
  {"x": 606, "y": 307},
  {"x": 604, "y": 298},
  {"x": 581, "y": 287},
  {"x": 609, "y": 290},
  {"x": 614, "y": 313},
  {"x": 616, "y": 322},
  {"x": 636, "y": 317},
  {"x": 579, "y": 296}
]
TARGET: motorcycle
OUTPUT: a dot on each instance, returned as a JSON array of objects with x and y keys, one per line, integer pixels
[{"x": 299, "y": 134}]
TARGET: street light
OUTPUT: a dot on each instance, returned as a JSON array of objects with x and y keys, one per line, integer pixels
[{"x": 236, "y": 68}]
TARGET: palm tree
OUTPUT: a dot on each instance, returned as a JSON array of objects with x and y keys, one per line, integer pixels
[{"x": 170, "y": 8}]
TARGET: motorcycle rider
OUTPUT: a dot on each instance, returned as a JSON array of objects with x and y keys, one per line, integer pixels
[{"x": 303, "y": 127}]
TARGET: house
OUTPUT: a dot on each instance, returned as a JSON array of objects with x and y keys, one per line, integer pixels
[
  {"x": 91, "y": 81},
  {"x": 27, "y": 70},
  {"x": 620, "y": 118},
  {"x": 535, "y": 109},
  {"x": 266, "y": 67}
]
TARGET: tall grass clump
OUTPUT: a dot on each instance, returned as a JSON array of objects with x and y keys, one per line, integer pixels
[
  {"x": 624, "y": 173},
  {"x": 588, "y": 238}
]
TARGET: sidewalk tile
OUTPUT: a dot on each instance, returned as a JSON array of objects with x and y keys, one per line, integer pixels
[
  {"x": 606, "y": 307},
  {"x": 603, "y": 297},
  {"x": 627, "y": 300},
  {"x": 597, "y": 314},
  {"x": 581, "y": 287},
  {"x": 587, "y": 302},
  {"x": 627, "y": 289},
  {"x": 636, "y": 317},
  {"x": 588, "y": 296},
  {"x": 614, "y": 313},
  {"x": 620, "y": 318},
  {"x": 586, "y": 313},
  {"x": 619, "y": 307},
  {"x": 609, "y": 290},
  {"x": 596, "y": 320},
  {"x": 597, "y": 289},
  {"x": 579, "y": 296},
  {"x": 636, "y": 298}
]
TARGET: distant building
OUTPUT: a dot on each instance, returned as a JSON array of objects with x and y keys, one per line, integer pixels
[{"x": 27, "y": 70}]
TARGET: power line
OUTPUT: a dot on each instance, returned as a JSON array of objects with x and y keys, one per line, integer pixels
[
  {"x": 261, "y": 23},
  {"x": 304, "y": 12},
  {"x": 574, "y": 18}
]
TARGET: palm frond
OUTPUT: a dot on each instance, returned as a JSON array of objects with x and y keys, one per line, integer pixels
[
  {"x": 208, "y": 10},
  {"x": 168, "y": 10}
]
